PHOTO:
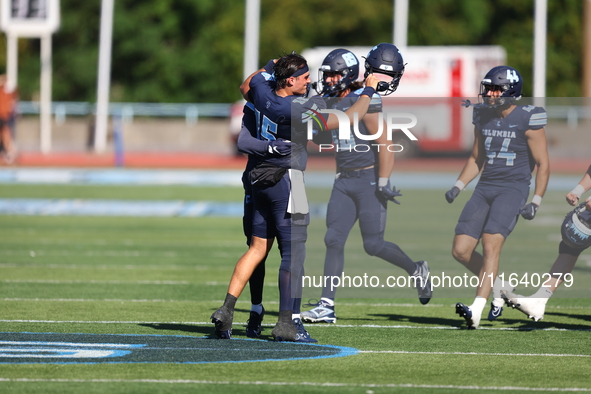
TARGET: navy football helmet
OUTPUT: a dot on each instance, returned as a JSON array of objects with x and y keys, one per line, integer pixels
[
  {"x": 576, "y": 228},
  {"x": 339, "y": 61},
  {"x": 386, "y": 59},
  {"x": 503, "y": 78}
]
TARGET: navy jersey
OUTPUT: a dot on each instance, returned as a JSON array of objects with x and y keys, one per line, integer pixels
[
  {"x": 508, "y": 157},
  {"x": 284, "y": 117},
  {"x": 249, "y": 123},
  {"x": 355, "y": 152}
]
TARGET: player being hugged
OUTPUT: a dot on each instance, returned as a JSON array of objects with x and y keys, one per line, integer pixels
[
  {"x": 362, "y": 188},
  {"x": 509, "y": 142}
]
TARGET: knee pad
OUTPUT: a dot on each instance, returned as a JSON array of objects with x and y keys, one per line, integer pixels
[
  {"x": 373, "y": 245},
  {"x": 293, "y": 249},
  {"x": 332, "y": 239},
  {"x": 299, "y": 233}
]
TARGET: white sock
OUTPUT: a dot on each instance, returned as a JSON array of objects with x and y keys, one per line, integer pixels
[
  {"x": 498, "y": 302},
  {"x": 328, "y": 301},
  {"x": 478, "y": 305},
  {"x": 497, "y": 287},
  {"x": 543, "y": 293},
  {"x": 295, "y": 316},
  {"x": 258, "y": 308}
]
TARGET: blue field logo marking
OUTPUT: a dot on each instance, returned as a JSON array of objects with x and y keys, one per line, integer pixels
[
  {"x": 58, "y": 348},
  {"x": 62, "y": 350}
]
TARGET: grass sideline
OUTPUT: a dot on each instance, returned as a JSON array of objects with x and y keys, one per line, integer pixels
[{"x": 108, "y": 275}]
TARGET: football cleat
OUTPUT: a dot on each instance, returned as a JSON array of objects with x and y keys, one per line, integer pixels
[
  {"x": 534, "y": 308},
  {"x": 253, "y": 325},
  {"x": 222, "y": 319},
  {"x": 423, "y": 282},
  {"x": 285, "y": 330},
  {"x": 495, "y": 311},
  {"x": 465, "y": 312},
  {"x": 321, "y": 313},
  {"x": 302, "y": 335}
]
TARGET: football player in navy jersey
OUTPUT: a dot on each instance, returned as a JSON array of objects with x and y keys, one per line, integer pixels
[
  {"x": 361, "y": 188},
  {"x": 280, "y": 204},
  {"x": 255, "y": 148},
  {"x": 569, "y": 251},
  {"x": 509, "y": 142},
  {"x": 249, "y": 144}
]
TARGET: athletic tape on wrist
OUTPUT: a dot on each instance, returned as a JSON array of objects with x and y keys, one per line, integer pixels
[
  {"x": 460, "y": 185},
  {"x": 578, "y": 190},
  {"x": 537, "y": 200}
]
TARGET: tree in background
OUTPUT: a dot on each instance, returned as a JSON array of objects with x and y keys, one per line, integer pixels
[{"x": 191, "y": 51}]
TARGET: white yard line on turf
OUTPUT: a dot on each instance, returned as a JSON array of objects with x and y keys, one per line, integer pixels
[
  {"x": 313, "y": 384},
  {"x": 111, "y": 282},
  {"x": 473, "y": 353},
  {"x": 106, "y": 267}
]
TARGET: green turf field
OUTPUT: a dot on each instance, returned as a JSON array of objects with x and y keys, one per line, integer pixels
[{"x": 165, "y": 276}]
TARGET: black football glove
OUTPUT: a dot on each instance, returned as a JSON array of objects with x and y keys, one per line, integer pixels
[
  {"x": 279, "y": 147},
  {"x": 528, "y": 211},
  {"x": 451, "y": 194},
  {"x": 390, "y": 194}
]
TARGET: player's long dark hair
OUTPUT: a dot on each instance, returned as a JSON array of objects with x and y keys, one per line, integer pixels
[
  {"x": 356, "y": 85},
  {"x": 286, "y": 66}
]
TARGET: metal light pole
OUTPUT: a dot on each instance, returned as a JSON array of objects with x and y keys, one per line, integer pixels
[
  {"x": 540, "y": 31},
  {"x": 251, "y": 37},
  {"x": 400, "y": 24},
  {"x": 587, "y": 48},
  {"x": 104, "y": 76}
]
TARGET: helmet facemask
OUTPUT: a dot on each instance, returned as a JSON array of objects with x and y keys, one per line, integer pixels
[
  {"x": 389, "y": 80},
  {"x": 333, "y": 88},
  {"x": 492, "y": 101}
]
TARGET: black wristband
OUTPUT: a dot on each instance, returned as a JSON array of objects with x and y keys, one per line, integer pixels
[
  {"x": 270, "y": 66},
  {"x": 368, "y": 91}
]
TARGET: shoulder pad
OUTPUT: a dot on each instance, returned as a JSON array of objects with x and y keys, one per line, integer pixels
[
  {"x": 248, "y": 105},
  {"x": 537, "y": 116}
]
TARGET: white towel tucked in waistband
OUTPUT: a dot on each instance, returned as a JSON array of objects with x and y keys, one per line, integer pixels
[{"x": 298, "y": 201}]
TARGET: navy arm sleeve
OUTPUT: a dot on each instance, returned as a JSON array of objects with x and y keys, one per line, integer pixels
[
  {"x": 251, "y": 145},
  {"x": 269, "y": 66}
]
